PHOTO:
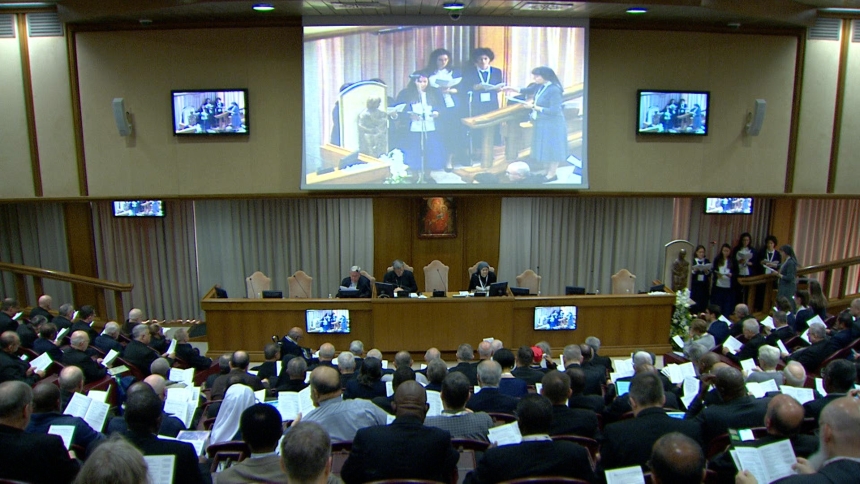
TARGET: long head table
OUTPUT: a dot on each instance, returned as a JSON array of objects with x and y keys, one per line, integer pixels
[{"x": 623, "y": 323}]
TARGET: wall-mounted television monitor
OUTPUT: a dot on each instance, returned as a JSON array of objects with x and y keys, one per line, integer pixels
[
  {"x": 728, "y": 205},
  {"x": 553, "y": 318},
  {"x": 327, "y": 321},
  {"x": 206, "y": 112},
  {"x": 138, "y": 208},
  {"x": 672, "y": 113},
  {"x": 405, "y": 107}
]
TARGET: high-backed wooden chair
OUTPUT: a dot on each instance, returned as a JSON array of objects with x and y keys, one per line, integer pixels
[
  {"x": 530, "y": 280},
  {"x": 256, "y": 283},
  {"x": 405, "y": 266},
  {"x": 436, "y": 276},
  {"x": 372, "y": 281},
  {"x": 300, "y": 285},
  {"x": 623, "y": 282},
  {"x": 474, "y": 269}
]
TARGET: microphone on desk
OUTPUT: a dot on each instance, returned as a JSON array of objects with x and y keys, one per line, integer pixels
[
  {"x": 303, "y": 289},
  {"x": 444, "y": 284}
]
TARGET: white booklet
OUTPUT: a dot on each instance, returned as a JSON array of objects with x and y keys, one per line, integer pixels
[
  {"x": 109, "y": 358},
  {"x": 759, "y": 390},
  {"x": 198, "y": 438},
  {"x": 767, "y": 463},
  {"x": 732, "y": 344},
  {"x": 92, "y": 411},
  {"x": 65, "y": 432},
  {"x": 290, "y": 404},
  {"x": 802, "y": 395},
  {"x": 747, "y": 365},
  {"x": 506, "y": 434},
  {"x": 691, "y": 389},
  {"x": 434, "y": 400},
  {"x": 625, "y": 475},
  {"x": 184, "y": 376},
  {"x": 98, "y": 395},
  {"x": 172, "y": 348},
  {"x": 768, "y": 321},
  {"x": 678, "y": 341},
  {"x": 42, "y": 362},
  {"x": 160, "y": 468},
  {"x": 62, "y": 334}
]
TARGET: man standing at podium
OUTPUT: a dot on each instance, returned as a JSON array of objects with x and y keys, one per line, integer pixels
[
  {"x": 402, "y": 279},
  {"x": 357, "y": 281}
]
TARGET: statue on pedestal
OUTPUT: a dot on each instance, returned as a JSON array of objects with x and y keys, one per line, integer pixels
[
  {"x": 373, "y": 129},
  {"x": 680, "y": 272}
]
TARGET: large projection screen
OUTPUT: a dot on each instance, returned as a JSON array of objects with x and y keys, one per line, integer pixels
[{"x": 384, "y": 111}]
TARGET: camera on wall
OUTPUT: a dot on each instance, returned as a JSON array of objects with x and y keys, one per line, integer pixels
[{"x": 455, "y": 15}]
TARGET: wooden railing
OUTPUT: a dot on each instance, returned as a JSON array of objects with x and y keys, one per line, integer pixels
[
  {"x": 766, "y": 282},
  {"x": 38, "y": 274}
]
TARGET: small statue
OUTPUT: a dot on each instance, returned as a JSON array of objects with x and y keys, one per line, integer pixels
[
  {"x": 680, "y": 272},
  {"x": 373, "y": 129}
]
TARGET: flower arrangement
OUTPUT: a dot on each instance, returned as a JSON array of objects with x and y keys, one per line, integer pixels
[
  {"x": 681, "y": 318},
  {"x": 399, "y": 174}
]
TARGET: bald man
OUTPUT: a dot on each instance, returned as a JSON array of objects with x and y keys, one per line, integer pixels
[
  {"x": 47, "y": 412},
  {"x": 403, "y": 359},
  {"x": 238, "y": 367},
  {"x": 326, "y": 356},
  {"x": 170, "y": 425},
  {"x": 341, "y": 418},
  {"x": 737, "y": 410},
  {"x": 838, "y": 458},
  {"x": 77, "y": 356},
  {"x": 11, "y": 367},
  {"x": 677, "y": 458},
  {"x": 406, "y": 449},
  {"x": 290, "y": 346},
  {"x": 44, "y": 308}
]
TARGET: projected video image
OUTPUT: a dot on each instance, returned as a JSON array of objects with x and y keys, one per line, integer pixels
[
  {"x": 729, "y": 205},
  {"x": 673, "y": 113},
  {"x": 555, "y": 318},
  {"x": 327, "y": 320},
  {"x": 448, "y": 107},
  {"x": 210, "y": 112},
  {"x": 138, "y": 208}
]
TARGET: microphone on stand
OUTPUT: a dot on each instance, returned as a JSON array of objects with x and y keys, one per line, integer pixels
[
  {"x": 444, "y": 284},
  {"x": 538, "y": 273}
]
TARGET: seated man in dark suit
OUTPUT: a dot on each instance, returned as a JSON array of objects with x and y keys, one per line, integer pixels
[
  {"x": 677, "y": 458},
  {"x": 839, "y": 377},
  {"x": 596, "y": 359},
  {"x": 108, "y": 340},
  {"x": 143, "y": 414},
  {"x": 238, "y": 367},
  {"x": 86, "y": 315},
  {"x": 737, "y": 410},
  {"x": 841, "y": 332},
  {"x": 464, "y": 363},
  {"x": 837, "y": 459},
  {"x": 268, "y": 370},
  {"x": 749, "y": 350},
  {"x": 566, "y": 420},
  {"x": 578, "y": 399},
  {"x": 595, "y": 376},
  {"x": 170, "y": 425},
  {"x": 290, "y": 347},
  {"x": 138, "y": 352},
  {"x": 11, "y": 367},
  {"x": 157, "y": 340},
  {"x": 47, "y": 412},
  {"x": 305, "y": 453},
  {"x": 260, "y": 426},
  {"x": 358, "y": 282},
  {"x": 537, "y": 455},
  {"x": 406, "y": 449},
  {"x": 455, "y": 419},
  {"x": 77, "y": 356},
  {"x": 135, "y": 317},
  {"x": 781, "y": 330},
  {"x": 63, "y": 319},
  {"x": 524, "y": 370},
  {"x": 621, "y": 404},
  {"x": 8, "y": 309},
  {"x": 629, "y": 442},
  {"x": 818, "y": 350},
  {"x": 489, "y": 399},
  {"x": 38, "y": 458},
  {"x": 292, "y": 378},
  {"x": 437, "y": 370},
  {"x": 71, "y": 381},
  {"x": 43, "y": 308},
  {"x": 326, "y": 356},
  {"x": 402, "y": 279},
  {"x": 45, "y": 342},
  {"x": 188, "y": 353},
  {"x": 28, "y": 331}
]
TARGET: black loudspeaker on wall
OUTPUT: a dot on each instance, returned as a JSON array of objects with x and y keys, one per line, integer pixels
[
  {"x": 121, "y": 117},
  {"x": 755, "y": 119}
]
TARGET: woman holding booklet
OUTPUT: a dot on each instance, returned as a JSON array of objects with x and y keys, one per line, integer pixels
[
  {"x": 700, "y": 287},
  {"x": 446, "y": 79}
]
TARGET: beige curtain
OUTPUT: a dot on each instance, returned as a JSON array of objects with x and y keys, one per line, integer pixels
[
  {"x": 827, "y": 230},
  {"x": 157, "y": 255},
  {"x": 711, "y": 230},
  {"x": 582, "y": 242},
  {"x": 34, "y": 234},
  {"x": 322, "y": 237}
]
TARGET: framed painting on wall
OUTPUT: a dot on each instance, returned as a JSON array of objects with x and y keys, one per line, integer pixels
[{"x": 437, "y": 218}]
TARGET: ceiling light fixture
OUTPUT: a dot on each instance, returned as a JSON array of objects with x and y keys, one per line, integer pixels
[
  {"x": 636, "y": 10},
  {"x": 453, "y": 6},
  {"x": 263, "y": 7}
]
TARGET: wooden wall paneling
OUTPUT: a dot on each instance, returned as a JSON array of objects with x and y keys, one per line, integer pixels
[
  {"x": 393, "y": 231},
  {"x": 29, "y": 105},
  {"x": 481, "y": 221},
  {"x": 82, "y": 253},
  {"x": 448, "y": 250},
  {"x": 782, "y": 219}
]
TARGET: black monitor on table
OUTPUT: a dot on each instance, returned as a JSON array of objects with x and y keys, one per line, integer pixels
[
  {"x": 498, "y": 289},
  {"x": 347, "y": 293},
  {"x": 574, "y": 291},
  {"x": 520, "y": 291},
  {"x": 273, "y": 294},
  {"x": 383, "y": 289}
]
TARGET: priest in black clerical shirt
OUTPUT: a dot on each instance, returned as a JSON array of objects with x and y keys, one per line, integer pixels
[{"x": 402, "y": 279}]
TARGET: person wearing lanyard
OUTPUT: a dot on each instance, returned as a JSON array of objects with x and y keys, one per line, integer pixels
[
  {"x": 549, "y": 140},
  {"x": 481, "y": 93},
  {"x": 482, "y": 278},
  {"x": 701, "y": 284}
]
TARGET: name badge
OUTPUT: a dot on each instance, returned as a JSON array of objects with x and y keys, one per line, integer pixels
[
  {"x": 485, "y": 97},
  {"x": 701, "y": 277}
]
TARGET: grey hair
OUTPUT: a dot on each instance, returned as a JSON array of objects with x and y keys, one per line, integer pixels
[
  {"x": 751, "y": 325},
  {"x": 694, "y": 352},
  {"x": 139, "y": 331},
  {"x": 66, "y": 309},
  {"x": 355, "y": 269},
  {"x": 356, "y": 347},
  {"x": 788, "y": 374},
  {"x": 465, "y": 352},
  {"x": 490, "y": 373},
  {"x": 768, "y": 357},
  {"x": 642, "y": 358},
  {"x": 818, "y": 330},
  {"x": 346, "y": 361},
  {"x": 111, "y": 328},
  {"x": 398, "y": 264},
  {"x": 593, "y": 342}
]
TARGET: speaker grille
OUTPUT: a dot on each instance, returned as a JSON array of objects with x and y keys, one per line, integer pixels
[
  {"x": 825, "y": 29},
  {"x": 44, "y": 25},
  {"x": 856, "y": 36},
  {"x": 7, "y": 26}
]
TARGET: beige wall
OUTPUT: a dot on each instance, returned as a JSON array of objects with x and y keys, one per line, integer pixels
[
  {"x": 17, "y": 178},
  {"x": 737, "y": 69},
  {"x": 52, "y": 102},
  {"x": 143, "y": 67},
  {"x": 848, "y": 164}
]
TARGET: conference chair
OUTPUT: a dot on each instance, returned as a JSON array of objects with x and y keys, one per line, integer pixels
[
  {"x": 590, "y": 444},
  {"x": 256, "y": 283},
  {"x": 300, "y": 285},
  {"x": 623, "y": 282},
  {"x": 436, "y": 277},
  {"x": 530, "y": 280},
  {"x": 474, "y": 269},
  {"x": 372, "y": 281}
]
